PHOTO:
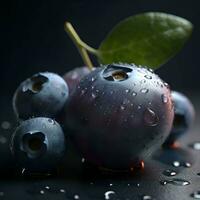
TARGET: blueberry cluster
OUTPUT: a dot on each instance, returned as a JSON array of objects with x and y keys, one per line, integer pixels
[{"x": 116, "y": 115}]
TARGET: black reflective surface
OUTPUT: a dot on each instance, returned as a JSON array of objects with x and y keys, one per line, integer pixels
[{"x": 77, "y": 180}]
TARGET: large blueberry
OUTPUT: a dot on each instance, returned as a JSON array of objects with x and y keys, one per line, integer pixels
[
  {"x": 119, "y": 114},
  {"x": 38, "y": 144},
  {"x": 183, "y": 117},
  {"x": 44, "y": 94}
]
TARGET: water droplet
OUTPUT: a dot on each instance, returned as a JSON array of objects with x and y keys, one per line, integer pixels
[
  {"x": 195, "y": 146},
  {"x": 138, "y": 185},
  {"x": 42, "y": 192},
  {"x": 108, "y": 194},
  {"x": 76, "y": 196},
  {"x": 128, "y": 184},
  {"x": 144, "y": 90},
  {"x": 169, "y": 172},
  {"x": 62, "y": 190},
  {"x": 196, "y": 195},
  {"x": 146, "y": 197},
  {"x": 94, "y": 96},
  {"x": 83, "y": 160},
  {"x": 166, "y": 85},
  {"x": 175, "y": 181},
  {"x": 176, "y": 164},
  {"x": 150, "y": 117},
  {"x": 164, "y": 98},
  {"x": 151, "y": 70},
  {"x": 148, "y": 77},
  {"x": 134, "y": 94},
  {"x": 187, "y": 164},
  {"x": 47, "y": 187},
  {"x": 122, "y": 107},
  {"x": 127, "y": 91},
  {"x": 82, "y": 92},
  {"x": 139, "y": 107},
  {"x": 93, "y": 79},
  {"x": 5, "y": 125},
  {"x": 51, "y": 121},
  {"x": 111, "y": 184}
]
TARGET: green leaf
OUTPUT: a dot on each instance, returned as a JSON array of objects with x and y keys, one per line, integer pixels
[{"x": 148, "y": 39}]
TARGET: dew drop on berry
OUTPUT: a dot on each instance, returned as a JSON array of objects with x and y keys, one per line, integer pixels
[
  {"x": 150, "y": 117},
  {"x": 127, "y": 91},
  {"x": 169, "y": 172},
  {"x": 134, "y": 94},
  {"x": 176, "y": 164},
  {"x": 148, "y": 77},
  {"x": 164, "y": 98},
  {"x": 144, "y": 90},
  {"x": 196, "y": 195},
  {"x": 195, "y": 145}
]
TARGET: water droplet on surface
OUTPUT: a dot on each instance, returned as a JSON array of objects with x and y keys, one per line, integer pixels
[
  {"x": 51, "y": 121},
  {"x": 176, "y": 164},
  {"x": 76, "y": 196},
  {"x": 169, "y": 172},
  {"x": 94, "y": 96},
  {"x": 47, "y": 187},
  {"x": 127, "y": 91},
  {"x": 196, "y": 195},
  {"x": 146, "y": 197},
  {"x": 164, "y": 98},
  {"x": 150, "y": 117},
  {"x": 175, "y": 181},
  {"x": 42, "y": 192},
  {"x": 195, "y": 145},
  {"x": 187, "y": 164},
  {"x": 166, "y": 85},
  {"x": 110, "y": 184},
  {"x": 82, "y": 160},
  {"x": 139, "y": 107},
  {"x": 134, "y": 94},
  {"x": 108, "y": 194},
  {"x": 92, "y": 79},
  {"x": 62, "y": 190},
  {"x": 148, "y": 77},
  {"x": 122, "y": 107},
  {"x": 144, "y": 90},
  {"x": 5, "y": 125}
]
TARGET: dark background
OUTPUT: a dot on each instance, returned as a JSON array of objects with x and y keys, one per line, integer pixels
[{"x": 33, "y": 39}]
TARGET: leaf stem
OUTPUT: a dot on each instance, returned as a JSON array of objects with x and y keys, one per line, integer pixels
[{"x": 81, "y": 46}]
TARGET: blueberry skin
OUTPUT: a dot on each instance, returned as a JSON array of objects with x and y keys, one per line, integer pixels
[
  {"x": 74, "y": 76},
  {"x": 183, "y": 116},
  {"x": 44, "y": 94},
  {"x": 38, "y": 144},
  {"x": 118, "y": 115}
]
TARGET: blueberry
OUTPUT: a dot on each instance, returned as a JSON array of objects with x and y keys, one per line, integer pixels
[
  {"x": 119, "y": 114},
  {"x": 183, "y": 117},
  {"x": 38, "y": 144},
  {"x": 44, "y": 94},
  {"x": 74, "y": 76}
]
